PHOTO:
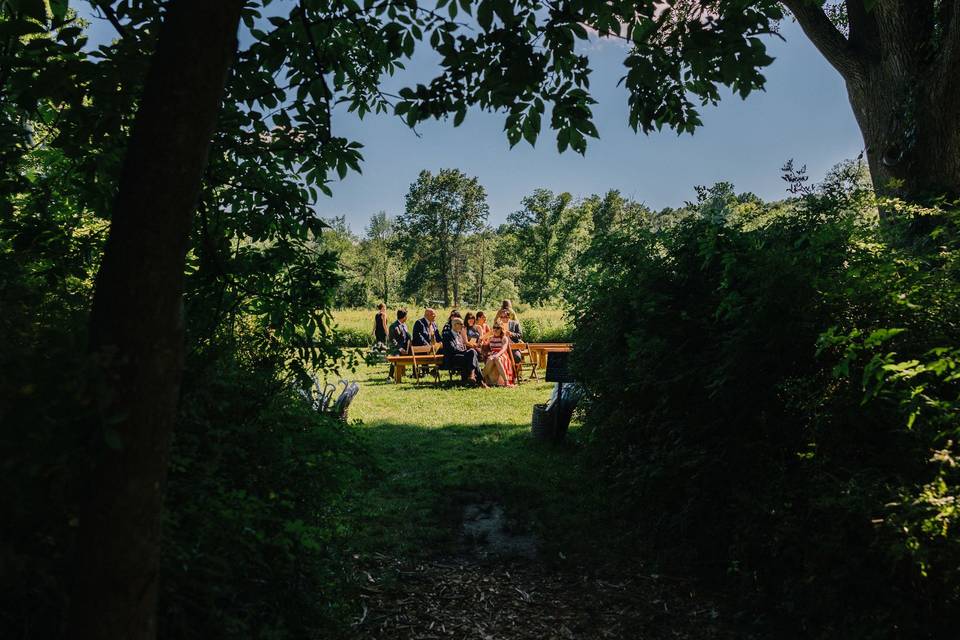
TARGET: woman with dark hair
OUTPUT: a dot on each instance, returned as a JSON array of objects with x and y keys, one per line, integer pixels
[
  {"x": 470, "y": 326},
  {"x": 482, "y": 325},
  {"x": 458, "y": 357},
  {"x": 498, "y": 367},
  {"x": 380, "y": 324}
]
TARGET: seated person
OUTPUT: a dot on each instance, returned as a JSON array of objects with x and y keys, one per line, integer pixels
[
  {"x": 498, "y": 365},
  {"x": 453, "y": 314},
  {"x": 473, "y": 332},
  {"x": 458, "y": 357},
  {"x": 482, "y": 325},
  {"x": 399, "y": 335},
  {"x": 425, "y": 329},
  {"x": 513, "y": 328}
]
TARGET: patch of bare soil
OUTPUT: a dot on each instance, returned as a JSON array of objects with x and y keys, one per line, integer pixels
[
  {"x": 496, "y": 589},
  {"x": 523, "y": 600}
]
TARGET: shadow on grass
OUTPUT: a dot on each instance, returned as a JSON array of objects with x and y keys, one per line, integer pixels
[{"x": 425, "y": 478}]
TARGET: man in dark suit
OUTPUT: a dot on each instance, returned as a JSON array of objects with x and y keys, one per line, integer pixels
[
  {"x": 458, "y": 357},
  {"x": 425, "y": 329},
  {"x": 399, "y": 337}
]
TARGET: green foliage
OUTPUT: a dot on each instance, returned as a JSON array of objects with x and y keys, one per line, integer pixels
[
  {"x": 441, "y": 212},
  {"x": 773, "y": 396},
  {"x": 255, "y": 474},
  {"x": 547, "y": 234}
]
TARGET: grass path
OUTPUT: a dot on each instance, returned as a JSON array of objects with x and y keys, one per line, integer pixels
[
  {"x": 436, "y": 444},
  {"x": 469, "y": 528}
]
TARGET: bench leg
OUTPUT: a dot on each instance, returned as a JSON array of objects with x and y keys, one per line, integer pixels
[{"x": 398, "y": 372}]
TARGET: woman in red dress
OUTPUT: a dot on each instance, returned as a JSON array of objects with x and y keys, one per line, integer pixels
[{"x": 499, "y": 369}]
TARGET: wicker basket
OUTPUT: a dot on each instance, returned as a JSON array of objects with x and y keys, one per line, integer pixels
[{"x": 542, "y": 422}]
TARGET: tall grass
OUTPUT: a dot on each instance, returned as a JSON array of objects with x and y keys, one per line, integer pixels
[{"x": 540, "y": 324}]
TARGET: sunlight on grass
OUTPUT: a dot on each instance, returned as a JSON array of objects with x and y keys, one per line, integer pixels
[{"x": 435, "y": 447}]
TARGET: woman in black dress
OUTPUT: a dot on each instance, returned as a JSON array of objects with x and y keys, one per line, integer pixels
[{"x": 380, "y": 324}]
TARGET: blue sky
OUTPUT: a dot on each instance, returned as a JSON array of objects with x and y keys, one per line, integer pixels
[{"x": 803, "y": 114}]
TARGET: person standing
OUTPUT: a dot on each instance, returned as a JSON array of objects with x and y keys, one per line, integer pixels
[{"x": 380, "y": 324}]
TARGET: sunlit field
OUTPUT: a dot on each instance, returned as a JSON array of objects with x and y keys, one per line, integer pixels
[{"x": 541, "y": 324}]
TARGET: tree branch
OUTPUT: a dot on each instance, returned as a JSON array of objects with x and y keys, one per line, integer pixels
[
  {"x": 111, "y": 16},
  {"x": 864, "y": 31},
  {"x": 318, "y": 61},
  {"x": 826, "y": 38}
]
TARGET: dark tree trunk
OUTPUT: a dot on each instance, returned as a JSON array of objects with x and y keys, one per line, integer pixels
[
  {"x": 137, "y": 324},
  {"x": 483, "y": 265},
  {"x": 909, "y": 123},
  {"x": 445, "y": 267},
  {"x": 386, "y": 286},
  {"x": 901, "y": 63},
  {"x": 456, "y": 276}
]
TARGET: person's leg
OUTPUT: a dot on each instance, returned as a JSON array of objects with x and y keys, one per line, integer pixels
[
  {"x": 459, "y": 362},
  {"x": 491, "y": 371},
  {"x": 475, "y": 367},
  {"x": 503, "y": 378}
]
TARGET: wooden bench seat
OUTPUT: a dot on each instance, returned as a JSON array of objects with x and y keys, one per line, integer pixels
[
  {"x": 418, "y": 358},
  {"x": 534, "y": 352}
]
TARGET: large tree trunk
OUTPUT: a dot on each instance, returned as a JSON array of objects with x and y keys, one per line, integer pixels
[
  {"x": 137, "y": 324},
  {"x": 910, "y": 129},
  {"x": 901, "y": 63}
]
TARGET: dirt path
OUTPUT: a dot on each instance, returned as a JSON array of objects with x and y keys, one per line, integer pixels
[
  {"x": 497, "y": 588},
  {"x": 524, "y": 600}
]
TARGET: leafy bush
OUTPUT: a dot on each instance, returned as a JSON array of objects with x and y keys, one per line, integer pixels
[
  {"x": 351, "y": 337},
  {"x": 251, "y": 536},
  {"x": 774, "y": 401}
]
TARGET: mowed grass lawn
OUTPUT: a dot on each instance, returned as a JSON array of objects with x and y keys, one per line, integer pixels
[{"x": 435, "y": 448}]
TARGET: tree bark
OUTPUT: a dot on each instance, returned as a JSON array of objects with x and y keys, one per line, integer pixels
[
  {"x": 137, "y": 325},
  {"x": 901, "y": 65},
  {"x": 911, "y": 136}
]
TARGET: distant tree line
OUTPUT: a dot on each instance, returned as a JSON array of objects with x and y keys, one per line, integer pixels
[{"x": 442, "y": 249}]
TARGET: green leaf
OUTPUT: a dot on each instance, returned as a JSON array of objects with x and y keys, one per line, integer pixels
[{"x": 59, "y": 9}]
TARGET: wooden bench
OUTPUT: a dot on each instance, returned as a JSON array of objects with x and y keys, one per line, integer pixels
[
  {"x": 427, "y": 356},
  {"x": 422, "y": 356},
  {"x": 524, "y": 350}
]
